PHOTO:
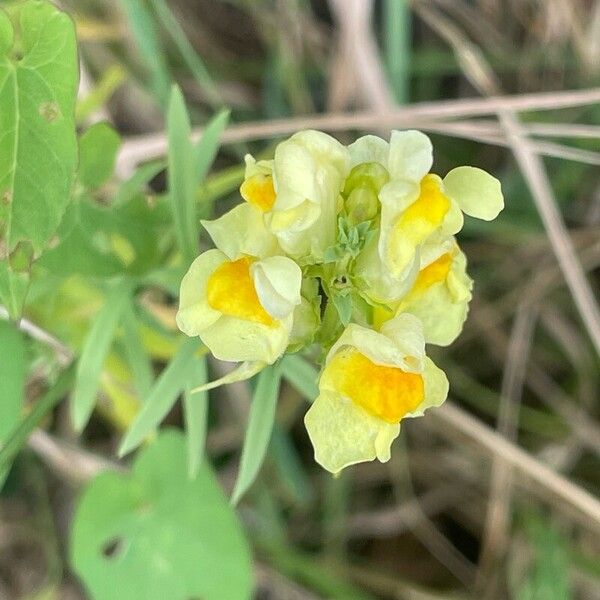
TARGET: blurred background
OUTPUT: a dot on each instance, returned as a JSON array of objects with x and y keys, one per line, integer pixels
[{"x": 493, "y": 496}]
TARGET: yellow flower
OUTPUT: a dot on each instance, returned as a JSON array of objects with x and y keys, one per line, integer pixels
[
  {"x": 417, "y": 205},
  {"x": 370, "y": 382},
  {"x": 439, "y": 295},
  {"x": 242, "y": 309},
  {"x": 299, "y": 195}
]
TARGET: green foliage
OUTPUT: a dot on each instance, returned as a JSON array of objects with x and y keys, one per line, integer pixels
[
  {"x": 98, "y": 148},
  {"x": 195, "y": 410},
  {"x": 38, "y": 148},
  {"x": 548, "y": 578},
  {"x": 12, "y": 381},
  {"x": 258, "y": 433},
  {"x": 95, "y": 349},
  {"x": 162, "y": 396},
  {"x": 158, "y": 534}
]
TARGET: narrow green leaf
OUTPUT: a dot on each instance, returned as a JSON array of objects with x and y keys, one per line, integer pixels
[
  {"x": 140, "y": 179},
  {"x": 13, "y": 289},
  {"x": 93, "y": 354},
  {"x": 98, "y": 147},
  {"x": 189, "y": 55},
  {"x": 137, "y": 358},
  {"x": 397, "y": 46},
  {"x": 208, "y": 146},
  {"x": 258, "y": 433},
  {"x": 38, "y": 146},
  {"x": 195, "y": 411},
  {"x": 162, "y": 396},
  {"x": 109, "y": 82},
  {"x": 41, "y": 408},
  {"x": 144, "y": 31},
  {"x": 301, "y": 375},
  {"x": 13, "y": 368},
  {"x": 181, "y": 176}
]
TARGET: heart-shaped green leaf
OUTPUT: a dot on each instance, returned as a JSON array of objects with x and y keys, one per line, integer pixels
[{"x": 158, "y": 534}]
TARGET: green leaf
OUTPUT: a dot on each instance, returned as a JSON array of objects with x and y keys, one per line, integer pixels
[
  {"x": 98, "y": 148},
  {"x": 189, "y": 55},
  {"x": 13, "y": 289},
  {"x": 158, "y": 534},
  {"x": 40, "y": 409},
  {"x": 162, "y": 396},
  {"x": 549, "y": 577},
  {"x": 38, "y": 146},
  {"x": 301, "y": 375},
  {"x": 195, "y": 411},
  {"x": 13, "y": 369},
  {"x": 137, "y": 358},
  {"x": 343, "y": 305},
  {"x": 95, "y": 348},
  {"x": 144, "y": 31},
  {"x": 208, "y": 146},
  {"x": 258, "y": 433},
  {"x": 181, "y": 176}
]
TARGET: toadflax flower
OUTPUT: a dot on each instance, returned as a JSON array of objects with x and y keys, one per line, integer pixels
[
  {"x": 349, "y": 252},
  {"x": 370, "y": 382},
  {"x": 439, "y": 295},
  {"x": 241, "y": 309},
  {"x": 298, "y": 191}
]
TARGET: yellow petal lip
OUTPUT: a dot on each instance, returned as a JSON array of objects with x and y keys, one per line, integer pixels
[
  {"x": 259, "y": 191},
  {"x": 230, "y": 290},
  {"x": 388, "y": 393}
]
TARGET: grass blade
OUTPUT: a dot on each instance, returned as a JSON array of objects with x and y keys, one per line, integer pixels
[
  {"x": 301, "y": 375},
  {"x": 144, "y": 31},
  {"x": 137, "y": 357},
  {"x": 195, "y": 410},
  {"x": 41, "y": 408},
  {"x": 12, "y": 377},
  {"x": 189, "y": 55},
  {"x": 95, "y": 349},
  {"x": 181, "y": 176},
  {"x": 208, "y": 146},
  {"x": 397, "y": 46},
  {"x": 162, "y": 396},
  {"x": 260, "y": 425}
]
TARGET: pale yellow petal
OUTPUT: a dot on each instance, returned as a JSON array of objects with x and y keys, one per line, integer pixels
[
  {"x": 277, "y": 280},
  {"x": 242, "y": 231},
  {"x": 195, "y": 314},
  {"x": 436, "y": 389},
  {"x": 238, "y": 340},
  {"x": 369, "y": 148},
  {"x": 410, "y": 156},
  {"x": 476, "y": 192},
  {"x": 344, "y": 434}
]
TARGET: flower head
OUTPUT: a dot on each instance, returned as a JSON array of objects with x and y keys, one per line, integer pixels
[{"x": 370, "y": 382}]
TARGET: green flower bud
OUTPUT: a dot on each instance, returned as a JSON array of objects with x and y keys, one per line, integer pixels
[
  {"x": 370, "y": 175},
  {"x": 362, "y": 205}
]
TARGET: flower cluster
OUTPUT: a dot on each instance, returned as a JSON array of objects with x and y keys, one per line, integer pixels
[{"x": 348, "y": 252}]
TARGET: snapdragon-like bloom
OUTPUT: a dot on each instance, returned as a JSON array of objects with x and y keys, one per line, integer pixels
[
  {"x": 348, "y": 251},
  {"x": 370, "y": 382},
  {"x": 241, "y": 309},
  {"x": 298, "y": 191},
  {"x": 417, "y": 205}
]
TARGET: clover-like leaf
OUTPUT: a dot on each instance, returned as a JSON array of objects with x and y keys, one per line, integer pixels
[
  {"x": 38, "y": 146},
  {"x": 158, "y": 534}
]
